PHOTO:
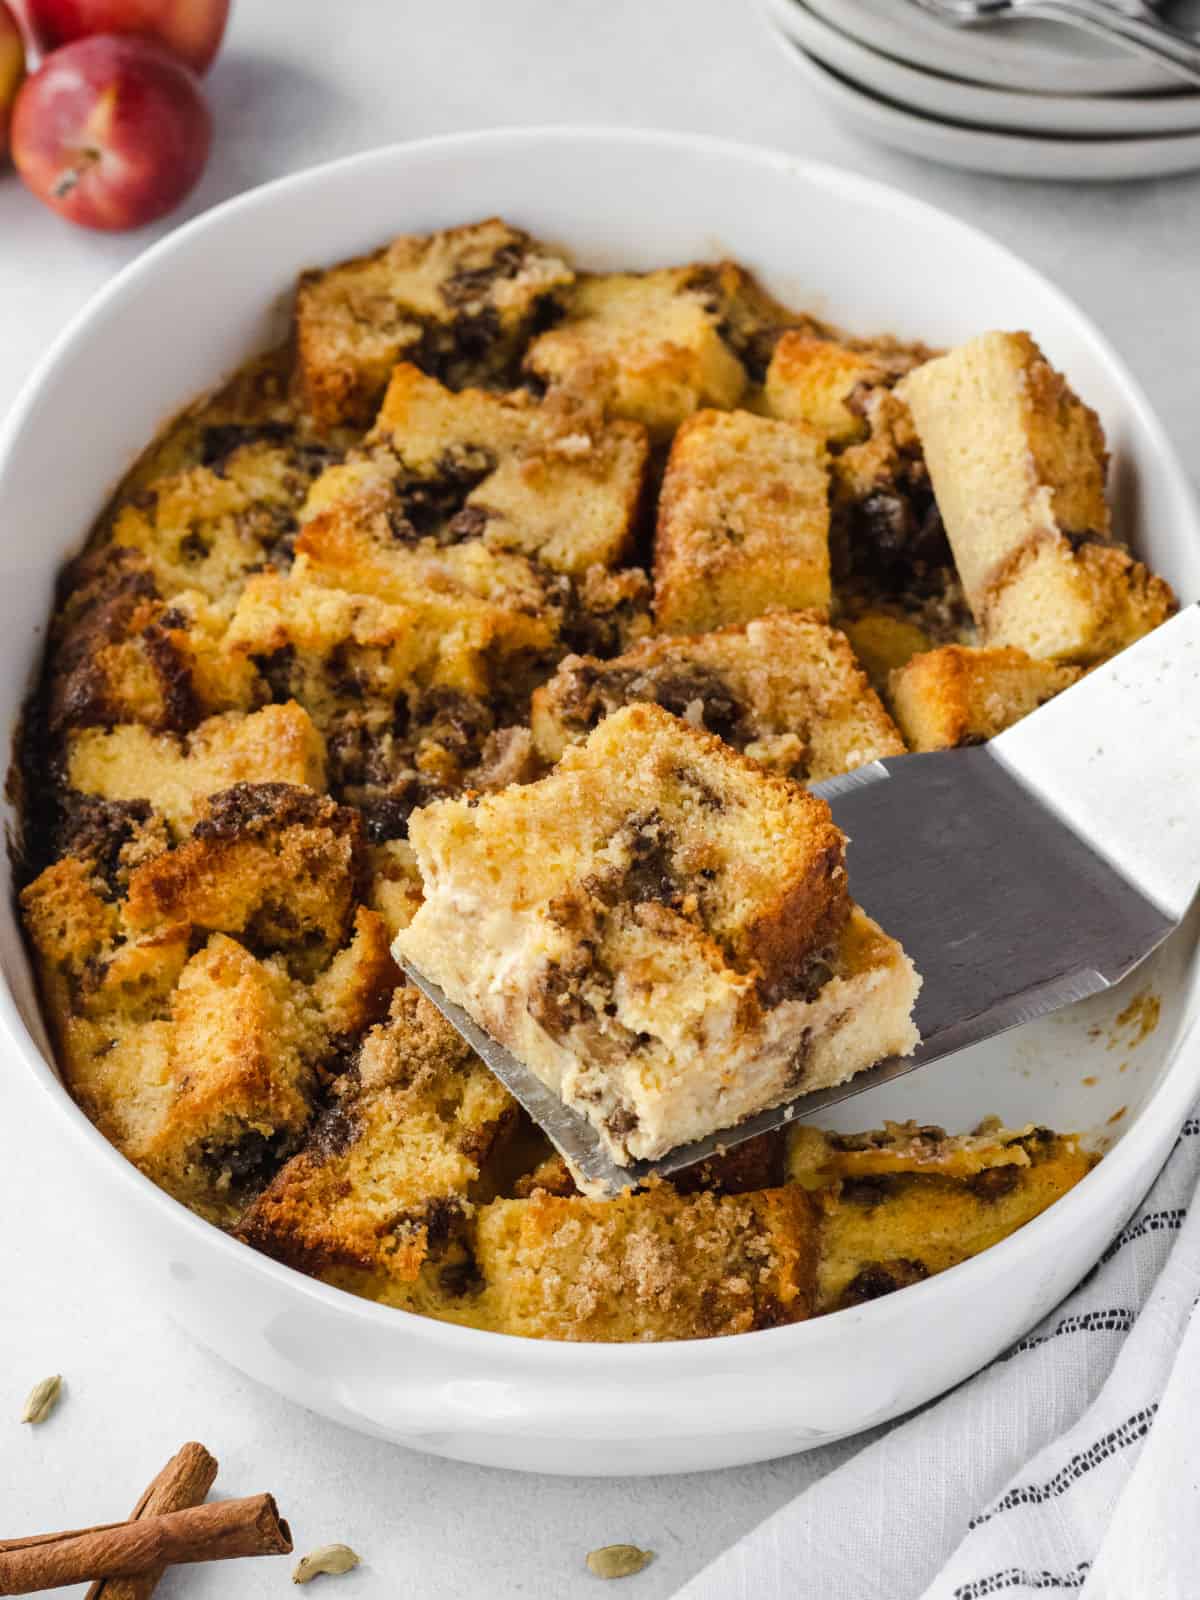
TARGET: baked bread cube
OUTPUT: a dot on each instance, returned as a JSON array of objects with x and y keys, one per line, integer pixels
[
  {"x": 1077, "y": 603},
  {"x": 248, "y": 1050},
  {"x": 177, "y": 773},
  {"x": 660, "y": 930},
  {"x": 908, "y": 1202},
  {"x": 387, "y": 1178},
  {"x": 651, "y": 346},
  {"x": 1018, "y": 464},
  {"x": 207, "y": 527},
  {"x": 197, "y": 1058},
  {"x": 956, "y": 696},
  {"x": 820, "y": 382},
  {"x": 743, "y": 523},
  {"x": 459, "y": 304},
  {"x": 784, "y": 689},
  {"x": 120, "y": 653},
  {"x": 648, "y": 1266},
  {"x": 412, "y": 698},
  {"x": 277, "y": 865},
  {"x": 554, "y": 481}
]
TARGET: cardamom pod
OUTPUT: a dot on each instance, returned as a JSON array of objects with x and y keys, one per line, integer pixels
[
  {"x": 330, "y": 1558},
  {"x": 618, "y": 1560},
  {"x": 43, "y": 1398}
]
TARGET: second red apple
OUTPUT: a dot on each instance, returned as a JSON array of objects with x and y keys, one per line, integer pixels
[{"x": 191, "y": 28}]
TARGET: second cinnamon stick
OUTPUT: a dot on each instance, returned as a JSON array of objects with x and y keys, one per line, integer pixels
[
  {"x": 184, "y": 1481},
  {"x": 216, "y": 1532}
]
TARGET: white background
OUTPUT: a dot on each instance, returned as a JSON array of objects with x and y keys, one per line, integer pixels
[{"x": 301, "y": 81}]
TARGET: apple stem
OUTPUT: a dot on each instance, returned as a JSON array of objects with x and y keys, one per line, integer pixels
[{"x": 72, "y": 175}]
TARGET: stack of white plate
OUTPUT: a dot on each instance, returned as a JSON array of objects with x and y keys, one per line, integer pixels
[{"x": 1026, "y": 99}]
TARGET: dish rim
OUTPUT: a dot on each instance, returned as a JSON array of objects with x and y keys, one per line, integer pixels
[{"x": 1169, "y": 1101}]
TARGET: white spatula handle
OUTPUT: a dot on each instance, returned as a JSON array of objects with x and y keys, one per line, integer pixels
[{"x": 1118, "y": 757}]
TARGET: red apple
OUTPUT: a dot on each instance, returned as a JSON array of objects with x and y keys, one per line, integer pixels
[
  {"x": 111, "y": 132},
  {"x": 12, "y": 70},
  {"x": 191, "y": 28}
]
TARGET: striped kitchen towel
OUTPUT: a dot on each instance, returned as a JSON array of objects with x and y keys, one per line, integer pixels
[{"x": 1069, "y": 1467}]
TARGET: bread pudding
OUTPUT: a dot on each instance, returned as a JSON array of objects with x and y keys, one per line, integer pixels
[
  {"x": 508, "y": 610},
  {"x": 660, "y": 930}
]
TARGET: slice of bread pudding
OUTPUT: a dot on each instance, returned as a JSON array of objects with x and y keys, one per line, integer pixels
[{"x": 661, "y": 931}]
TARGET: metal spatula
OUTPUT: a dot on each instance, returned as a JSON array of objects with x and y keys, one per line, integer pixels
[{"x": 1020, "y": 876}]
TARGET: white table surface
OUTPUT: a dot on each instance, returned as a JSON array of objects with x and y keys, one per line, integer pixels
[{"x": 300, "y": 81}]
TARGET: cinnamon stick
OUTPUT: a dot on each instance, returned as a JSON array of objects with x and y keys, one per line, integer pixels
[
  {"x": 216, "y": 1532},
  {"x": 184, "y": 1481}
]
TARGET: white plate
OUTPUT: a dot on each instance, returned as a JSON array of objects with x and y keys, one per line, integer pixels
[
  {"x": 197, "y": 303},
  {"x": 1001, "y": 154},
  {"x": 1003, "y": 110},
  {"x": 1045, "y": 57}
]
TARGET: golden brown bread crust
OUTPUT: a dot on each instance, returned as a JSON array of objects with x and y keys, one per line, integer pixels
[
  {"x": 655, "y": 347},
  {"x": 821, "y": 383},
  {"x": 743, "y": 522},
  {"x": 272, "y": 862},
  {"x": 647, "y": 1266},
  {"x": 957, "y": 696}
]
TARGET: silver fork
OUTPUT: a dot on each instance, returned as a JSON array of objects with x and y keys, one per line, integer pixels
[{"x": 1133, "y": 23}]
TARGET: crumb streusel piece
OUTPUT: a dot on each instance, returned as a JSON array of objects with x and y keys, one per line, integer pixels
[
  {"x": 660, "y": 930},
  {"x": 1018, "y": 463},
  {"x": 743, "y": 522},
  {"x": 784, "y": 689},
  {"x": 458, "y": 304},
  {"x": 957, "y": 695}
]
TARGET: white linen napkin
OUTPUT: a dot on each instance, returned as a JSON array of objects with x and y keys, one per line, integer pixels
[{"x": 1069, "y": 1467}]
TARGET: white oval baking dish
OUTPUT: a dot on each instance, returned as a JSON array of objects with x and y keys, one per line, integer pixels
[{"x": 193, "y": 307}]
